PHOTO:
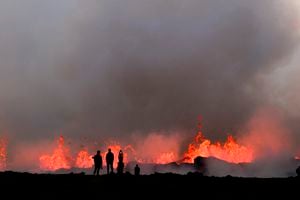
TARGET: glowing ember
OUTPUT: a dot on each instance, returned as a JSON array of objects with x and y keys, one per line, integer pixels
[
  {"x": 230, "y": 151},
  {"x": 60, "y": 158},
  {"x": 84, "y": 160},
  {"x": 3, "y": 154}
]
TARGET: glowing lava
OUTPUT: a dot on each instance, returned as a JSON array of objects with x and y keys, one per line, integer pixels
[
  {"x": 3, "y": 154},
  {"x": 60, "y": 158},
  {"x": 84, "y": 160},
  {"x": 230, "y": 151},
  {"x": 165, "y": 158}
]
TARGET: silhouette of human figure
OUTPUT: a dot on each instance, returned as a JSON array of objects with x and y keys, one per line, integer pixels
[
  {"x": 298, "y": 171},
  {"x": 121, "y": 156},
  {"x": 120, "y": 166},
  {"x": 109, "y": 161},
  {"x": 97, "y": 162},
  {"x": 137, "y": 170}
]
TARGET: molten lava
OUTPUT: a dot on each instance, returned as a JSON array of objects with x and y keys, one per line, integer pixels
[
  {"x": 3, "y": 154},
  {"x": 230, "y": 151},
  {"x": 84, "y": 160},
  {"x": 60, "y": 158},
  {"x": 165, "y": 158}
]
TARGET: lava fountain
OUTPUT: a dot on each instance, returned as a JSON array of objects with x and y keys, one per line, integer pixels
[
  {"x": 230, "y": 151},
  {"x": 84, "y": 159},
  {"x": 60, "y": 159}
]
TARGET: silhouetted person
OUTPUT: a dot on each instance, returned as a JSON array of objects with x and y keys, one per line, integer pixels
[
  {"x": 109, "y": 161},
  {"x": 121, "y": 156},
  {"x": 298, "y": 171},
  {"x": 120, "y": 166},
  {"x": 200, "y": 164},
  {"x": 97, "y": 162},
  {"x": 137, "y": 170}
]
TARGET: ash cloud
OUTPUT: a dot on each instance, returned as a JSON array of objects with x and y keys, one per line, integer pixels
[{"x": 111, "y": 68}]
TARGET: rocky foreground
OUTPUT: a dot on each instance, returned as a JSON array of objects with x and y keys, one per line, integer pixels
[{"x": 127, "y": 186}]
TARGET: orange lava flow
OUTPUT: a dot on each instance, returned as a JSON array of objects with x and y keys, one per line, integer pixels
[
  {"x": 3, "y": 154},
  {"x": 230, "y": 151},
  {"x": 60, "y": 158}
]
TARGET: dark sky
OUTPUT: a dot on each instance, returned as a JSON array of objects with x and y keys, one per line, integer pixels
[{"x": 109, "y": 68}]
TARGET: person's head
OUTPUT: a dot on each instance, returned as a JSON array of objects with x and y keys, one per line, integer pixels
[
  {"x": 136, "y": 165},
  {"x": 121, "y": 151},
  {"x": 98, "y": 152},
  {"x": 109, "y": 150}
]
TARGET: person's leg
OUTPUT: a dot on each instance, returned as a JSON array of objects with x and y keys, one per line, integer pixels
[
  {"x": 95, "y": 170},
  {"x": 98, "y": 169},
  {"x": 111, "y": 168},
  {"x": 107, "y": 168}
]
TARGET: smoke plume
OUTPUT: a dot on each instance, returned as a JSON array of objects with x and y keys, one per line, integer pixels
[{"x": 110, "y": 68}]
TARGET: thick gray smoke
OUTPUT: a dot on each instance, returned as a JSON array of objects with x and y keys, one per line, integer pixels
[{"x": 109, "y": 68}]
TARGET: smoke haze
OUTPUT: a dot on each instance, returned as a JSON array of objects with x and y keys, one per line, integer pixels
[{"x": 109, "y": 68}]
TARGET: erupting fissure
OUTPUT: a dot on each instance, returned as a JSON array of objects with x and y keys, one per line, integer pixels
[
  {"x": 60, "y": 159},
  {"x": 230, "y": 151},
  {"x": 84, "y": 159}
]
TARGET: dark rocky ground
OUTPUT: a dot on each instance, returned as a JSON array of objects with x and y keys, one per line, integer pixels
[{"x": 167, "y": 186}]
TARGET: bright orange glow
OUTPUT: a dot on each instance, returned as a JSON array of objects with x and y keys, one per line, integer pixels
[
  {"x": 84, "y": 160},
  {"x": 3, "y": 154},
  {"x": 230, "y": 151},
  {"x": 60, "y": 158},
  {"x": 115, "y": 148},
  {"x": 161, "y": 158},
  {"x": 158, "y": 148},
  {"x": 165, "y": 158}
]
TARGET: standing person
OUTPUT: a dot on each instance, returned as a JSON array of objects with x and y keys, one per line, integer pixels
[
  {"x": 109, "y": 161},
  {"x": 137, "y": 170},
  {"x": 97, "y": 162},
  {"x": 120, "y": 156},
  {"x": 120, "y": 166}
]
